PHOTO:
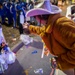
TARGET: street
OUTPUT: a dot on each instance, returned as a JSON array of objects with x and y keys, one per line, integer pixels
[{"x": 27, "y": 61}]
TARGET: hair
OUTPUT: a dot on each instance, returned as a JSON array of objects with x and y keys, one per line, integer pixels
[
  {"x": 1, "y": 4},
  {"x": 44, "y": 17},
  {"x": 2, "y": 43}
]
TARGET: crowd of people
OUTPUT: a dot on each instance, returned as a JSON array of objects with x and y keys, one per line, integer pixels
[{"x": 13, "y": 11}]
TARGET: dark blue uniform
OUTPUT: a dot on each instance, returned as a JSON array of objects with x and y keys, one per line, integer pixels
[
  {"x": 9, "y": 15},
  {"x": 13, "y": 12}
]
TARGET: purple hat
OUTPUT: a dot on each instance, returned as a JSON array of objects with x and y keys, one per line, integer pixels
[{"x": 42, "y": 8}]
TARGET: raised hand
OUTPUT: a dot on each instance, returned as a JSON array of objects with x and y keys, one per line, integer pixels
[{"x": 26, "y": 25}]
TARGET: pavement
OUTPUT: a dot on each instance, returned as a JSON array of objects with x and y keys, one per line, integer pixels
[{"x": 27, "y": 61}]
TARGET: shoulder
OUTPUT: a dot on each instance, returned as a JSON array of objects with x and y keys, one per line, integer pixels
[
  {"x": 63, "y": 19},
  {"x": 65, "y": 27},
  {"x": 65, "y": 22}
]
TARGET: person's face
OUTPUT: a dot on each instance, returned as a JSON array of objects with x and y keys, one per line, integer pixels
[
  {"x": 3, "y": 44},
  {"x": 0, "y": 6},
  {"x": 41, "y": 20}
]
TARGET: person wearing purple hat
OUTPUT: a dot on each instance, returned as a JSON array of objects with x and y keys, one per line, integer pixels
[{"x": 57, "y": 32}]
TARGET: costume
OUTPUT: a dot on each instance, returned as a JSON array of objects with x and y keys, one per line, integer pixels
[
  {"x": 2, "y": 39},
  {"x": 3, "y": 64},
  {"x": 8, "y": 55},
  {"x": 58, "y": 35},
  {"x": 55, "y": 40}
]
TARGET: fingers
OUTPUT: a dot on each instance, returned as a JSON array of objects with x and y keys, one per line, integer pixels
[{"x": 26, "y": 25}]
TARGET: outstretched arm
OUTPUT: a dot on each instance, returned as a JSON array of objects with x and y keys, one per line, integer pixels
[{"x": 35, "y": 29}]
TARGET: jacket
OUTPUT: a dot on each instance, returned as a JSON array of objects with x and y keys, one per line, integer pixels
[{"x": 59, "y": 37}]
